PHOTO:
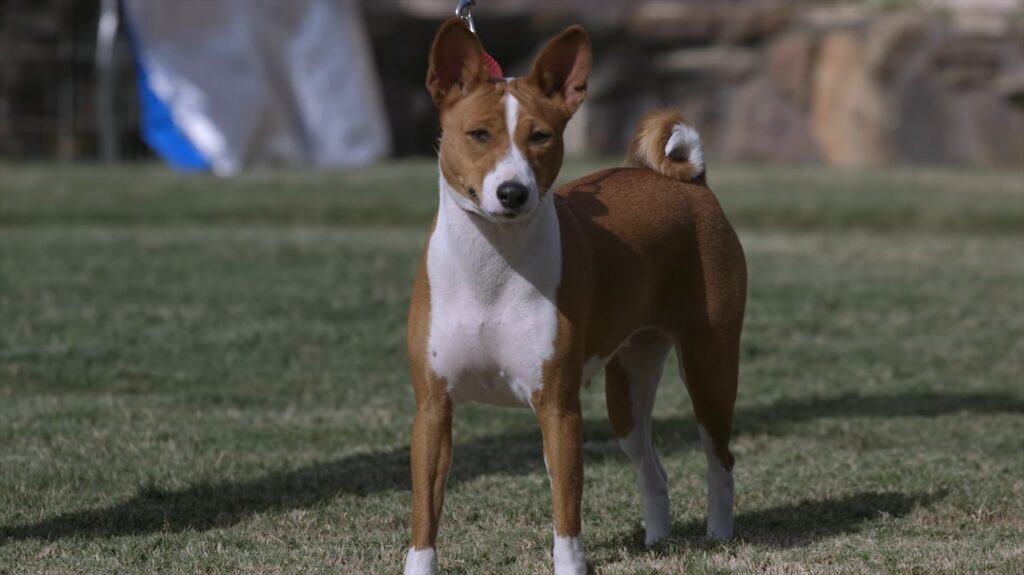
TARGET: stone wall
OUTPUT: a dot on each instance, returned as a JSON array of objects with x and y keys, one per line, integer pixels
[
  {"x": 767, "y": 80},
  {"x": 859, "y": 89}
]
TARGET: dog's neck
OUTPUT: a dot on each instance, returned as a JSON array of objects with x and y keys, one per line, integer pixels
[{"x": 484, "y": 255}]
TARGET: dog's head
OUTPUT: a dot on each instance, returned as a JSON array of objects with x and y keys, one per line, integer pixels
[{"x": 501, "y": 139}]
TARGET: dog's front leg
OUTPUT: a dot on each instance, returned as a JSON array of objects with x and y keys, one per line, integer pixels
[
  {"x": 561, "y": 423},
  {"x": 431, "y": 453}
]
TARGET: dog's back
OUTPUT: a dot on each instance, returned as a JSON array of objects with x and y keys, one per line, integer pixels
[{"x": 651, "y": 226}]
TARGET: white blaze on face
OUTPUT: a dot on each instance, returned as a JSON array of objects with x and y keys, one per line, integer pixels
[{"x": 513, "y": 167}]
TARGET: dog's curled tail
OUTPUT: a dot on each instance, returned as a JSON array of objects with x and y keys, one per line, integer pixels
[{"x": 666, "y": 143}]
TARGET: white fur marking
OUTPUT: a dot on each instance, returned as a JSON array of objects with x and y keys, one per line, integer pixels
[
  {"x": 653, "y": 483},
  {"x": 720, "y": 492},
  {"x": 570, "y": 557},
  {"x": 512, "y": 167},
  {"x": 685, "y": 135},
  {"x": 493, "y": 289},
  {"x": 597, "y": 363},
  {"x": 643, "y": 358},
  {"x": 420, "y": 561},
  {"x": 591, "y": 367}
]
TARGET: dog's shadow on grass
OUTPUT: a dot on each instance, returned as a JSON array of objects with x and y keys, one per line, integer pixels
[
  {"x": 214, "y": 505},
  {"x": 785, "y": 526}
]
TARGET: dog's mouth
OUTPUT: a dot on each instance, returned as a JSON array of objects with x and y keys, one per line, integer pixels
[
  {"x": 503, "y": 217},
  {"x": 512, "y": 215}
]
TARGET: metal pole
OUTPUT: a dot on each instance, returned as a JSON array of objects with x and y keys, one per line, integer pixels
[{"x": 106, "y": 122}]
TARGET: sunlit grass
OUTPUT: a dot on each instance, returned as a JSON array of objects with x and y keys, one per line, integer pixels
[{"x": 203, "y": 375}]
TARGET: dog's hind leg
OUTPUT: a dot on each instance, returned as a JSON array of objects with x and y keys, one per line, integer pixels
[
  {"x": 631, "y": 384},
  {"x": 711, "y": 370}
]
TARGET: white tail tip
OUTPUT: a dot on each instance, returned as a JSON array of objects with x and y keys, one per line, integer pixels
[{"x": 684, "y": 145}]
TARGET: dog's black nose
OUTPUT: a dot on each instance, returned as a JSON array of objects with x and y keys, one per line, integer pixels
[{"x": 512, "y": 194}]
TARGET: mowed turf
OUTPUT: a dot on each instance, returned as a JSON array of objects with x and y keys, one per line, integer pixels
[{"x": 208, "y": 376}]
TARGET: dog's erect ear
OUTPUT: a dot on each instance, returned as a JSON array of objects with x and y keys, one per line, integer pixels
[
  {"x": 456, "y": 63},
  {"x": 561, "y": 69}
]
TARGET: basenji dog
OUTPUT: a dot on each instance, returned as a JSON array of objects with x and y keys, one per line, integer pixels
[{"x": 523, "y": 293}]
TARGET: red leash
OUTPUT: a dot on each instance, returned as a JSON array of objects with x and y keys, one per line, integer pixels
[
  {"x": 493, "y": 66},
  {"x": 464, "y": 10}
]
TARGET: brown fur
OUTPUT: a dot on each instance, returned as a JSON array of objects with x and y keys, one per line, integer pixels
[
  {"x": 641, "y": 249},
  {"x": 557, "y": 403},
  {"x": 465, "y": 161},
  {"x": 431, "y": 446},
  {"x": 663, "y": 257},
  {"x": 616, "y": 397},
  {"x": 647, "y": 149}
]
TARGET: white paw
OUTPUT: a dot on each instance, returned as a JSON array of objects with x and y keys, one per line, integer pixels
[
  {"x": 720, "y": 527},
  {"x": 657, "y": 517},
  {"x": 420, "y": 561},
  {"x": 720, "y": 506},
  {"x": 570, "y": 558},
  {"x": 656, "y": 531}
]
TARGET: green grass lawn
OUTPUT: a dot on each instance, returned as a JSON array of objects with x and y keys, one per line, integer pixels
[{"x": 202, "y": 375}]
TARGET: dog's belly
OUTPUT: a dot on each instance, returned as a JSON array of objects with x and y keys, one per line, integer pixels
[{"x": 495, "y": 354}]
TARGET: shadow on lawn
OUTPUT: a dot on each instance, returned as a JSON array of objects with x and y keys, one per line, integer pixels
[
  {"x": 789, "y": 525},
  {"x": 207, "y": 506}
]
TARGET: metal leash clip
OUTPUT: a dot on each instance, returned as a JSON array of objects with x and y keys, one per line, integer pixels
[{"x": 464, "y": 10}]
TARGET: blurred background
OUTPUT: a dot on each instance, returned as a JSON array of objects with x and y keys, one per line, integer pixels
[
  {"x": 224, "y": 84},
  {"x": 207, "y": 375}
]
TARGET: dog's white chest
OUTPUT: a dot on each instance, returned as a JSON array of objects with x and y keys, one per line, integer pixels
[
  {"x": 492, "y": 353},
  {"x": 493, "y": 322}
]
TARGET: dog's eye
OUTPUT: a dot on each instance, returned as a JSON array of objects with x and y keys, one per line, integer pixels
[
  {"x": 482, "y": 136},
  {"x": 538, "y": 137}
]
